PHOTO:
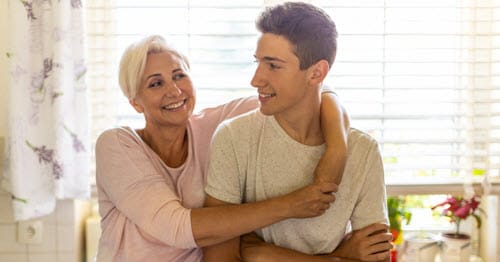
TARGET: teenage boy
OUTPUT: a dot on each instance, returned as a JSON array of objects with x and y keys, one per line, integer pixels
[{"x": 273, "y": 151}]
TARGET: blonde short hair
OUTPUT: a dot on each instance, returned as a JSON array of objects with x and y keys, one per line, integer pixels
[{"x": 134, "y": 59}]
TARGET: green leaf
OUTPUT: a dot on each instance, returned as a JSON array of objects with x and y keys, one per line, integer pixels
[
  {"x": 22, "y": 200},
  {"x": 407, "y": 216},
  {"x": 478, "y": 220}
]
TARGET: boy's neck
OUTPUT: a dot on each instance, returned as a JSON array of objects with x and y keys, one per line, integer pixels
[{"x": 303, "y": 122}]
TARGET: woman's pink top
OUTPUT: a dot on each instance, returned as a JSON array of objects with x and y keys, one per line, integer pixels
[{"x": 144, "y": 204}]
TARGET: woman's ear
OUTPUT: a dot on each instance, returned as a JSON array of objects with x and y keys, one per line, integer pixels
[
  {"x": 318, "y": 72},
  {"x": 138, "y": 107}
]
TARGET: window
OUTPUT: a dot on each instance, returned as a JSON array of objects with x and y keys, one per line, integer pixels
[{"x": 421, "y": 76}]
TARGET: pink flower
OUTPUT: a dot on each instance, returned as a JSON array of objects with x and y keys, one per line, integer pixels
[
  {"x": 474, "y": 204},
  {"x": 463, "y": 212},
  {"x": 457, "y": 208}
]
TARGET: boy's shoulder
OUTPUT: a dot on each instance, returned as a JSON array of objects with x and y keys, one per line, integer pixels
[
  {"x": 357, "y": 137},
  {"x": 246, "y": 120}
]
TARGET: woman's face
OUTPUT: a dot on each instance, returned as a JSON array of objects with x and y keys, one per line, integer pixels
[{"x": 166, "y": 96}]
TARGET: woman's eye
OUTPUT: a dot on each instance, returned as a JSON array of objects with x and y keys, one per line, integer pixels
[
  {"x": 178, "y": 76},
  {"x": 155, "y": 84}
]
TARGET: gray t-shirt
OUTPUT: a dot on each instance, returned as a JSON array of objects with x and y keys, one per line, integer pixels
[{"x": 252, "y": 158}]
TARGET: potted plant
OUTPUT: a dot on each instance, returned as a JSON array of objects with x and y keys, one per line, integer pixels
[
  {"x": 397, "y": 214},
  {"x": 456, "y": 245}
]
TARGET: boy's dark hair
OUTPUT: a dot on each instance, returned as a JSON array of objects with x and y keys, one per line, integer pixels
[{"x": 310, "y": 30}]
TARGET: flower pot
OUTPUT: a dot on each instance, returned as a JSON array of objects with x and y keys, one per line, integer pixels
[
  {"x": 455, "y": 247},
  {"x": 422, "y": 247}
]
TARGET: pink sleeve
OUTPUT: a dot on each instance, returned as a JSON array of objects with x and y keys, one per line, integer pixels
[{"x": 133, "y": 184}]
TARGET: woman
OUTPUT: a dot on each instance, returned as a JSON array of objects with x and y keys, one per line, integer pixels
[{"x": 150, "y": 181}]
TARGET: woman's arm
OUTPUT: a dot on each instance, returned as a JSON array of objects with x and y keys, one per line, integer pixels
[
  {"x": 221, "y": 221},
  {"x": 335, "y": 125},
  {"x": 132, "y": 185}
]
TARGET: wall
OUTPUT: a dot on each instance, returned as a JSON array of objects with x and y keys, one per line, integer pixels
[{"x": 62, "y": 238}]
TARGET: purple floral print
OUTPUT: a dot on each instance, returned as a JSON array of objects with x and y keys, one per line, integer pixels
[
  {"x": 29, "y": 9},
  {"x": 77, "y": 144},
  {"x": 46, "y": 156}
]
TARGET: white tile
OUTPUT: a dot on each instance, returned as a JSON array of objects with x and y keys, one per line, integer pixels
[
  {"x": 67, "y": 257},
  {"x": 13, "y": 257},
  {"x": 48, "y": 241},
  {"x": 6, "y": 211},
  {"x": 65, "y": 212},
  {"x": 8, "y": 240},
  {"x": 50, "y": 219},
  {"x": 66, "y": 241},
  {"x": 42, "y": 257}
]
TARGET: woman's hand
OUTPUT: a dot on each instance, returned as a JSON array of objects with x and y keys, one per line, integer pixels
[{"x": 309, "y": 201}]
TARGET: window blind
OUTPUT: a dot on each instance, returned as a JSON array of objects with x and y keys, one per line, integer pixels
[{"x": 420, "y": 76}]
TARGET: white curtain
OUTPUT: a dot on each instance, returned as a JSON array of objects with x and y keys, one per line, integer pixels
[{"x": 47, "y": 143}]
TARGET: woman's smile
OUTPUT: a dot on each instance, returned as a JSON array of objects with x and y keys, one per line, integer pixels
[{"x": 175, "y": 106}]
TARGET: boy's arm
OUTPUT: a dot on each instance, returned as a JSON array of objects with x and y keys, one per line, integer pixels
[
  {"x": 335, "y": 125},
  {"x": 368, "y": 244},
  {"x": 253, "y": 248},
  {"x": 371, "y": 243}
]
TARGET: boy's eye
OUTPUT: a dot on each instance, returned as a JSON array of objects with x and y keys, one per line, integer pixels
[{"x": 274, "y": 66}]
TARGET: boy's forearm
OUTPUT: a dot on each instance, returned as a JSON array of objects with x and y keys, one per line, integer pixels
[
  {"x": 370, "y": 243},
  {"x": 228, "y": 251},
  {"x": 269, "y": 252}
]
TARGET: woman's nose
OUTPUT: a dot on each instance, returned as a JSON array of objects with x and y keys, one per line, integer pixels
[{"x": 172, "y": 90}]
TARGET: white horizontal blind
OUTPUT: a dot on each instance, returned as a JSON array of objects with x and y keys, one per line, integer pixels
[{"x": 421, "y": 76}]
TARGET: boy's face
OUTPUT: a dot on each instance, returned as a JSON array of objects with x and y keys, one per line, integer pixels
[{"x": 279, "y": 81}]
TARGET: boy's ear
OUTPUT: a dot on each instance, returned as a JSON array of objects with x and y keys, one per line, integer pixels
[
  {"x": 136, "y": 105},
  {"x": 318, "y": 72}
]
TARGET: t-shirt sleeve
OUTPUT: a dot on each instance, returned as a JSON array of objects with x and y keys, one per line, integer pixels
[
  {"x": 371, "y": 206},
  {"x": 224, "y": 182},
  {"x": 128, "y": 177}
]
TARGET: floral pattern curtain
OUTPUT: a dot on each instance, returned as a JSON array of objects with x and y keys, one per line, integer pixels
[{"x": 47, "y": 142}]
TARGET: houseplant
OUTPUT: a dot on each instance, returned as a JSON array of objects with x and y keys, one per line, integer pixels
[
  {"x": 456, "y": 245},
  {"x": 397, "y": 214},
  {"x": 457, "y": 209}
]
